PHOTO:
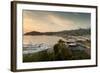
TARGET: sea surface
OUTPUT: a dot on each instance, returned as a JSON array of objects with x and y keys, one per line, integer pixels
[{"x": 49, "y": 40}]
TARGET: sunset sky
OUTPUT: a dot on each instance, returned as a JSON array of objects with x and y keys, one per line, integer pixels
[{"x": 50, "y": 21}]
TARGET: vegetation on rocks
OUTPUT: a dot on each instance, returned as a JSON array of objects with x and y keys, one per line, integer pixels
[{"x": 60, "y": 52}]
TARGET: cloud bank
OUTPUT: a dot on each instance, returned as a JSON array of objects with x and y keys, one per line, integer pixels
[{"x": 46, "y": 21}]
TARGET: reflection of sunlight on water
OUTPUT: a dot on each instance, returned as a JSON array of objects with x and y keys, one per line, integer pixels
[
  {"x": 49, "y": 40},
  {"x": 34, "y": 44}
]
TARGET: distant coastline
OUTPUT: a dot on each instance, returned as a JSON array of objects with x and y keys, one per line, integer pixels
[{"x": 77, "y": 32}]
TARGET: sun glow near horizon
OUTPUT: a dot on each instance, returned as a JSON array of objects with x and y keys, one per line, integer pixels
[{"x": 47, "y": 21}]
